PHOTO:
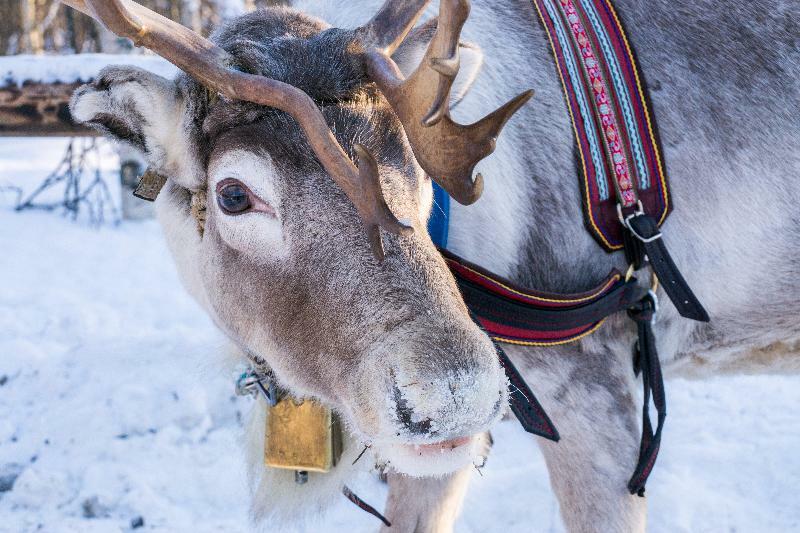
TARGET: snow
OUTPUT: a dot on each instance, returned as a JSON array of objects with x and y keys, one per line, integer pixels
[
  {"x": 74, "y": 68},
  {"x": 115, "y": 404}
]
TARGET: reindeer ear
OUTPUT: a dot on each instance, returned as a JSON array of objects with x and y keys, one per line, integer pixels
[
  {"x": 146, "y": 111},
  {"x": 410, "y": 54}
]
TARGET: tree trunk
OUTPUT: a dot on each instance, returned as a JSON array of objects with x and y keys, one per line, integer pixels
[{"x": 31, "y": 41}]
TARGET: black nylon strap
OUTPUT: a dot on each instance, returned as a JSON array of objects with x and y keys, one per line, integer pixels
[
  {"x": 646, "y": 360},
  {"x": 524, "y": 405},
  {"x": 364, "y": 506},
  {"x": 502, "y": 310},
  {"x": 646, "y": 233}
]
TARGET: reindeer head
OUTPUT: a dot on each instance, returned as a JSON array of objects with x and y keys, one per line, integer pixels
[{"x": 314, "y": 266}]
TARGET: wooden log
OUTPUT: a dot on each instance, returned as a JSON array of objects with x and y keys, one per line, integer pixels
[{"x": 38, "y": 110}]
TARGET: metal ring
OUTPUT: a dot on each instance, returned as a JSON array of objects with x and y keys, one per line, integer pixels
[
  {"x": 654, "y": 297},
  {"x": 629, "y": 273},
  {"x": 250, "y": 383},
  {"x": 639, "y": 211}
]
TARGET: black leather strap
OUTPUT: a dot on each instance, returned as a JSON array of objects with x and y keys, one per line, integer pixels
[
  {"x": 634, "y": 250},
  {"x": 645, "y": 231},
  {"x": 524, "y": 405},
  {"x": 502, "y": 310},
  {"x": 646, "y": 360}
]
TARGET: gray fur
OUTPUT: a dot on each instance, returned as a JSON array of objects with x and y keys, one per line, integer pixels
[
  {"x": 725, "y": 92},
  {"x": 727, "y": 99}
]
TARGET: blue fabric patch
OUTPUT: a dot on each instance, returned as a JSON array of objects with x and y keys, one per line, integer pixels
[{"x": 439, "y": 223}]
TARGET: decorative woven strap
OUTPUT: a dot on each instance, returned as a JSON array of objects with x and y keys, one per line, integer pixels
[{"x": 616, "y": 137}]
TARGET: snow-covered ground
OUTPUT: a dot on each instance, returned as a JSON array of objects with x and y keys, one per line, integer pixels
[{"x": 115, "y": 405}]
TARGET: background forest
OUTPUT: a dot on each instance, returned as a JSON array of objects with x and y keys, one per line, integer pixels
[{"x": 45, "y": 26}]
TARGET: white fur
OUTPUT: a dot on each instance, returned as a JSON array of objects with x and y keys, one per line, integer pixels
[
  {"x": 184, "y": 243},
  {"x": 85, "y": 108},
  {"x": 276, "y": 497},
  {"x": 255, "y": 233}
]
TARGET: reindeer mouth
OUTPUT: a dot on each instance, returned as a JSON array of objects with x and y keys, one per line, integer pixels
[
  {"x": 434, "y": 459},
  {"x": 440, "y": 447}
]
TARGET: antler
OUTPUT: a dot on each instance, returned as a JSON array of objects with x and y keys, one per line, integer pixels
[
  {"x": 211, "y": 66},
  {"x": 446, "y": 150}
]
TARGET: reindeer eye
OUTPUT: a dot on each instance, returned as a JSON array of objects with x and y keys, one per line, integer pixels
[{"x": 233, "y": 197}]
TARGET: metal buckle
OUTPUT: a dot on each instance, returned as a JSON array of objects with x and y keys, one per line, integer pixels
[
  {"x": 654, "y": 297},
  {"x": 622, "y": 218},
  {"x": 625, "y": 221},
  {"x": 651, "y": 292},
  {"x": 633, "y": 231}
]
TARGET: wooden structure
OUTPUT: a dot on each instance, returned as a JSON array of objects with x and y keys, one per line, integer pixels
[
  {"x": 37, "y": 27},
  {"x": 38, "y": 109}
]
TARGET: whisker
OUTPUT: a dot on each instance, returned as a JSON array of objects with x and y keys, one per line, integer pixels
[{"x": 360, "y": 455}]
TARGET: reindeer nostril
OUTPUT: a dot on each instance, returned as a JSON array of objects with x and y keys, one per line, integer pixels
[
  {"x": 404, "y": 415},
  {"x": 423, "y": 427}
]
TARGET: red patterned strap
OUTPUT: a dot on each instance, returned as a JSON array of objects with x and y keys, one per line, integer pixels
[{"x": 614, "y": 128}]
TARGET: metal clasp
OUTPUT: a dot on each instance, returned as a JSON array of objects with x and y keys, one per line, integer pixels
[
  {"x": 622, "y": 218},
  {"x": 626, "y": 221},
  {"x": 654, "y": 297},
  {"x": 250, "y": 383},
  {"x": 651, "y": 292}
]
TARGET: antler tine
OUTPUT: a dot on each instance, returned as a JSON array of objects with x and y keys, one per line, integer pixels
[
  {"x": 391, "y": 24},
  {"x": 446, "y": 150},
  {"x": 443, "y": 58},
  {"x": 211, "y": 66},
  {"x": 368, "y": 172}
]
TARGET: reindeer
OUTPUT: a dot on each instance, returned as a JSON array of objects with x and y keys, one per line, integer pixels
[{"x": 322, "y": 269}]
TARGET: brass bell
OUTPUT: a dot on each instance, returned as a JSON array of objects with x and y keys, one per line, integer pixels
[
  {"x": 302, "y": 436},
  {"x": 150, "y": 184}
]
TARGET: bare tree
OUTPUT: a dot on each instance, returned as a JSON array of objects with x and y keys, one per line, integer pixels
[
  {"x": 31, "y": 37},
  {"x": 36, "y": 26}
]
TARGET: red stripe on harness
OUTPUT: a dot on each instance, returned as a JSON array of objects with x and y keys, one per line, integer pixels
[
  {"x": 497, "y": 284},
  {"x": 502, "y": 333},
  {"x": 484, "y": 292}
]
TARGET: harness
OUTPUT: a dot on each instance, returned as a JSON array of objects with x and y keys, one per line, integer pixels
[{"x": 625, "y": 200}]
